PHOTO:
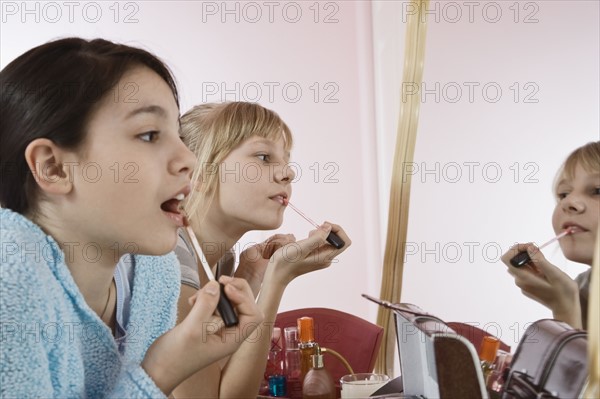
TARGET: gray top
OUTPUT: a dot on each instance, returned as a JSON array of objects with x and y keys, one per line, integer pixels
[
  {"x": 189, "y": 263},
  {"x": 583, "y": 281}
]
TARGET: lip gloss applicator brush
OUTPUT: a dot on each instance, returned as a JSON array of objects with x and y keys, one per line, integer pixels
[
  {"x": 523, "y": 258},
  {"x": 332, "y": 238},
  {"x": 224, "y": 306}
]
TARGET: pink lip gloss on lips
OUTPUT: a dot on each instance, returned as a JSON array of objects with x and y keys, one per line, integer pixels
[
  {"x": 523, "y": 258},
  {"x": 332, "y": 238}
]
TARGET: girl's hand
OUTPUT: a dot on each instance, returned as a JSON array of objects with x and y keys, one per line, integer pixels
[
  {"x": 201, "y": 338},
  {"x": 313, "y": 253},
  {"x": 255, "y": 259},
  {"x": 547, "y": 284}
]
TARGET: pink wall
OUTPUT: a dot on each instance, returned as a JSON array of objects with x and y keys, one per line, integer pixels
[{"x": 351, "y": 56}]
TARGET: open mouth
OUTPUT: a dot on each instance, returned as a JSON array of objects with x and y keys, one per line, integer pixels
[{"x": 172, "y": 208}]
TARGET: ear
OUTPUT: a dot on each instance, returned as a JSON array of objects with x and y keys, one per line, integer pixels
[{"x": 47, "y": 163}]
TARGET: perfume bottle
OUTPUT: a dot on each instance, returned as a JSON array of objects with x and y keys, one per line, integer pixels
[
  {"x": 274, "y": 373},
  {"x": 496, "y": 380},
  {"x": 318, "y": 383},
  {"x": 293, "y": 359},
  {"x": 307, "y": 345},
  {"x": 487, "y": 355}
]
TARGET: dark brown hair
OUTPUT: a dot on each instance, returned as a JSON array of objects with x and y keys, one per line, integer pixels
[{"x": 51, "y": 91}]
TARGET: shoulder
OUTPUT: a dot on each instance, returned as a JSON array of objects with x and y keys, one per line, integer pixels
[
  {"x": 29, "y": 283},
  {"x": 157, "y": 270},
  {"x": 17, "y": 231},
  {"x": 156, "y": 279},
  {"x": 188, "y": 263},
  {"x": 153, "y": 305},
  {"x": 583, "y": 279},
  {"x": 27, "y": 254}
]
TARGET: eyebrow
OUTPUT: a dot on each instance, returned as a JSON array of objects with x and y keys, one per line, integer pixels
[
  {"x": 270, "y": 143},
  {"x": 151, "y": 109},
  {"x": 264, "y": 141},
  {"x": 593, "y": 179}
]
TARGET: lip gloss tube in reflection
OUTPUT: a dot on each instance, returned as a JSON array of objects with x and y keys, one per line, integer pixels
[{"x": 522, "y": 258}]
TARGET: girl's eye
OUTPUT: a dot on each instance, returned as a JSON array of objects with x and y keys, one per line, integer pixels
[
  {"x": 596, "y": 191},
  {"x": 263, "y": 157},
  {"x": 561, "y": 195},
  {"x": 149, "y": 137}
]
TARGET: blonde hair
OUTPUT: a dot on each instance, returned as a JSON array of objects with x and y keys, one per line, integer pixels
[
  {"x": 212, "y": 131},
  {"x": 588, "y": 156}
]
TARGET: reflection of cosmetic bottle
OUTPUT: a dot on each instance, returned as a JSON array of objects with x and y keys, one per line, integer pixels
[
  {"x": 307, "y": 345},
  {"x": 318, "y": 383},
  {"x": 293, "y": 359},
  {"x": 487, "y": 355},
  {"x": 496, "y": 379}
]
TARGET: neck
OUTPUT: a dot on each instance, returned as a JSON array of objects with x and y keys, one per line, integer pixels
[
  {"x": 216, "y": 239},
  {"x": 91, "y": 264}
]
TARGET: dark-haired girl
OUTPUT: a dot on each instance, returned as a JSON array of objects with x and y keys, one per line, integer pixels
[{"x": 93, "y": 169}]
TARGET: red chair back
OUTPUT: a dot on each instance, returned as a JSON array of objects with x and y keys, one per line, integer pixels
[{"x": 356, "y": 339}]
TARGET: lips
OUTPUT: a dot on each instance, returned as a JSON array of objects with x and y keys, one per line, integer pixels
[
  {"x": 574, "y": 228},
  {"x": 281, "y": 198}
]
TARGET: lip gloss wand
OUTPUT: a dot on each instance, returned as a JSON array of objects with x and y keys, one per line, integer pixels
[
  {"x": 332, "y": 238},
  {"x": 224, "y": 306},
  {"x": 523, "y": 258}
]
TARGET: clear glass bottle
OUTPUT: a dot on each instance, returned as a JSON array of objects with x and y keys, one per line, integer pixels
[
  {"x": 274, "y": 373},
  {"x": 307, "y": 345},
  {"x": 293, "y": 360},
  {"x": 318, "y": 383},
  {"x": 495, "y": 381}
]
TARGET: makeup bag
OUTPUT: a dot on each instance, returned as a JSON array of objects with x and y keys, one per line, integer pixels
[
  {"x": 435, "y": 361},
  {"x": 550, "y": 362}
]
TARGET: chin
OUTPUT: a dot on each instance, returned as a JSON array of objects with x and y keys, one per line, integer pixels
[
  {"x": 578, "y": 258},
  {"x": 159, "y": 248},
  {"x": 266, "y": 224},
  {"x": 266, "y": 227}
]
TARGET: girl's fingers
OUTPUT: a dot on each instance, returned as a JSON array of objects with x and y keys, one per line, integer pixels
[
  {"x": 275, "y": 242},
  {"x": 542, "y": 265},
  {"x": 240, "y": 294},
  {"x": 337, "y": 229},
  {"x": 514, "y": 251},
  {"x": 316, "y": 245},
  {"x": 204, "y": 303},
  {"x": 192, "y": 299},
  {"x": 315, "y": 238},
  {"x": 238, "y": 283}
]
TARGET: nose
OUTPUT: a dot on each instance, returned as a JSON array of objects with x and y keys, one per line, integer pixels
[
  {"x": 573, "y": 204},
  {"x": 183, "y": 160},
  {"x": 285, "y": 174}
]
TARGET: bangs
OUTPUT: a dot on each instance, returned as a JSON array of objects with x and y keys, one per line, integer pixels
[
  {"x": 588, "y": 156},
  {"x": 241, "y": 121},
  {"x": 275, "y": 133}
]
